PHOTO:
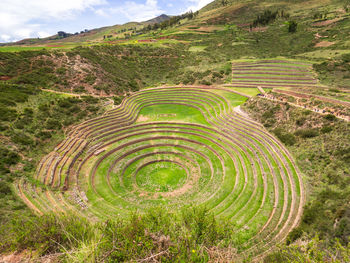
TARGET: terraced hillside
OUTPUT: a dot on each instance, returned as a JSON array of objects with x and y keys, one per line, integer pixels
[
  {"x": 273, "y": 74},
  {"x": 172, "y": 147}
]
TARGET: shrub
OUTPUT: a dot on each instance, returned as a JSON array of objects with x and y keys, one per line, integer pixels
[
  {"x": 53, "y": 124},
  {"x": 267, "y": 17},
  {"x": 307, "y": 133},
  {"x": 295, "y": 234},
  {"x": 343, "y": 153},
  {"x": 133, "y": 86},
  {"x": 326, "y": 129},
  {"x": 292, "y": 26},
  {"x": 22, "y": 139},
  {"x": 44, "y": 135},
  {"x": 346, "y": 58},
  {"x": 47, "y": 234},
  {"x": 3, "y": 127},
  {"x": 61, "y": 71},
  {"x": 89, "y": 99},
  {"x": 8, "y": 157},
  {"x": 330, "y": 117},
  {"x": 79, "y": 89},
  {"x": 44, "y": 108},
  {"x": 90, "y": 79},
  {"x": 7, "y": 114},
  {"x": 285, "y": 137},
  {"x": 300, "y": 121},
  {"x": 182, "y": 234},
  {"x": 7, "y": 102},
  {"x": 118, "y": 99},
  {"x": 314, "y": 250}
]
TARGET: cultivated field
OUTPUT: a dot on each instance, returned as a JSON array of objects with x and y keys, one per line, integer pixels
[
  {"x": 174, "y": 147},
  {"x": 273, "y": 74}
]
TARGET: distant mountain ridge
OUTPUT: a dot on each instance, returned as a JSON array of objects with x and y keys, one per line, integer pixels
[
  {"x": 158, "y": 19},
  {"x": 61, "y": 35}
]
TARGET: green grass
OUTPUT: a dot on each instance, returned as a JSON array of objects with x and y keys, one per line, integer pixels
[
  {"x": 36, "y": 48},
  {"x": 324, "y": 53},
  {"x": 171, "y": 113},
  {"x": 197, "y": 48},
  {"x": 161, "y": 177},
  {"x": 248, "y": 91},
  {"x": 19, "y": 48}
]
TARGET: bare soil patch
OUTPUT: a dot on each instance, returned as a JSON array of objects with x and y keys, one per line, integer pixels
[
  {"x": 327, "y": 22},
  {"x": 142, "y": 118},
  {"x": 5, "y": 77},
  {"x": 54, "y": 45},
  {"x": 258, "y": 29},
  {"x": 324, "y": 44}
]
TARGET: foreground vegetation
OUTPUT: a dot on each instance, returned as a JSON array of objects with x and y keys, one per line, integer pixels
[{"x": 188, "y": 235}]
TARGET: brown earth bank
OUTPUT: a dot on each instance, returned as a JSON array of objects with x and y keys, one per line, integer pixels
[
  {"x": 5, "y": 77},
  {"x": 324, "y": 44},
  {"x": 26, "y": 257}
]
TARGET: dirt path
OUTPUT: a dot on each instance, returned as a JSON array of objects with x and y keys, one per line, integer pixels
[
  {"x": 309, "y": 96},
  {"x": 304, "y": 107},
  {"x": 80, "y": 95}
]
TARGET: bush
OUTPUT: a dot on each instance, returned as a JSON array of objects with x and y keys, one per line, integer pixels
[
  {"x": 182, "y": 234},
  {"x": 330, "y": 117},
  {"x": 264, "y": 19},
  {"x": 61, "y": 71},
  {"x": 314, "y": 250},
  {"x": 346, "y": 58},
  {"x": 292, "y": 26},
  {"x": 295, "y": 234},
  {"x": 300, "y": 121},
  {"x": 47, "y": 234},
  {"x": 326, "y": 129},
  {"x": 8, "y": 157},
  {"x": 22, "y": 139},
  {"x": 307, "y": 133},
  {"x": 118, "y": 99},
  {"x": 89, "y": 99},
  {"x": 7, "y": 114},
  {"x": 90, "y": 79},
  {"x": 44, "y": 135},
  {"x": 285, "y": 137},
  {"x": 133, "y": 86},
  {"x": 53, "y": 124},
  {"x": 79, "y": 89}
]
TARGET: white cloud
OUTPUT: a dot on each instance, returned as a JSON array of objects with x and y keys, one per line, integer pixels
[
  {"x": 134, "y": 11},
  {"x": 5, "y": 37},
  {"x": 197, "y": 4},
  {"x": 19, "y": 18}
]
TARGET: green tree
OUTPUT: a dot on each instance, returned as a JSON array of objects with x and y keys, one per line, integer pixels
[
  {"x": 292, "y": 26},
  {"x": 224, "y": 2}
]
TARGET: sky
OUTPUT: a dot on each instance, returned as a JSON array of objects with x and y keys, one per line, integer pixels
[{"x": 21, "y": 19}]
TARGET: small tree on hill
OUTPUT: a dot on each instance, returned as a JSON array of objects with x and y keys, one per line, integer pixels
[
  {"x": 224, "y": 2},
  {"x": 292, "y": 26},
  {"x": 347, "y": 6}
]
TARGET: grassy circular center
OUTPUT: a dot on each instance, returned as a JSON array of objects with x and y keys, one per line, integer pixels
[{"x": 162, "y": 176}]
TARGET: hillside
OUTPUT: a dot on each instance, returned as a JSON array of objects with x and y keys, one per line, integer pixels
[
  {"x": 87, "y": 36},
  {"x": 215, "y": 136}
]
